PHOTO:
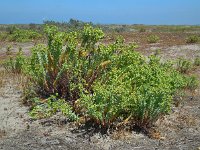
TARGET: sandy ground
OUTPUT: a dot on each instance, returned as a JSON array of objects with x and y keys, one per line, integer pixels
[
  {"x": 180, "y": 130},
  {"x": 171, "y": 53},
  {"x": 12, "y": 113}
]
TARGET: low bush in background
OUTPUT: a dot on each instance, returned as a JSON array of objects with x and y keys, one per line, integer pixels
[
  {"x": 153, "y": 39},
  {"x": 192, "y": 39},
  {"x": 20, "y": 35},
  {"x": 142, "y": 29},
  {"x": 3, "y": 36}
]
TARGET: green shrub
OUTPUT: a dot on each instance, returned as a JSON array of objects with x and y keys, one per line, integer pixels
[
  {"x": 153, "y": 39},
  {"x": 104, "y": 83},
  {"x": 183, "y": 65},
  {"x": 192, "y": 39}
]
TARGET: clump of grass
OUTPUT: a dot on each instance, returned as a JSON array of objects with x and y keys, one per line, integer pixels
[
  {"x": 153, "y": 39},
  {"x": 19, "y": 49},
  {"x": 15, "y": 64},
  {"x": 3, "y": 36},
  {"x": 184, "y": 65},
  {"x": 197, "y": 61},
  {"x": 142, "y": 30},
  {"x": 157, "y": 52},
  {"x": 192, "y": 82},
  {"x": 192, "y": 39}
]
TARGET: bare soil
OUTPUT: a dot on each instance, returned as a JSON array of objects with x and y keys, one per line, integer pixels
[{"x": 180, "y": 130}]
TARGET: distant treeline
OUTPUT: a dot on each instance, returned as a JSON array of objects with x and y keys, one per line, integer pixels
[
  {"x": 74, "y": 24},
  {"x": 71, "y": 25}
]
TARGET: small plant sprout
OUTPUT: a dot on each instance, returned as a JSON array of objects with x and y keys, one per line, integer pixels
[{"x": 8, "y": 50}]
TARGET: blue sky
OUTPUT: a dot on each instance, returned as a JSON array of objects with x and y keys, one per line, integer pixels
[{"x": 101, "y": 11}]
